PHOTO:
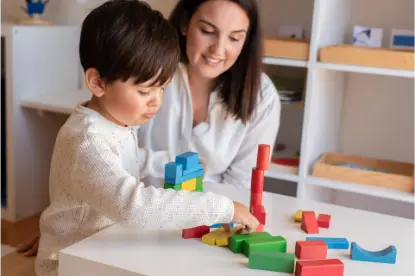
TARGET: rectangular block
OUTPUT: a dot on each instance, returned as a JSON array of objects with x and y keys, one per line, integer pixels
[
  {"x": 259, "y": 212},
  {"x": 173, "y": 172},
  {"x": 323, "y": 220},
  {"x": 197, "y": 167},
  {"x": 188, "y": 159},
  {"x": 235, "y": 242},
  {"x": 196, "y": 232},
  {"x": 199, "y": 183},
  {"x": 176, "y": 187},
  {"x": 298, "y": 216},
  {"x": 332, "y": 267},
  {"x": 311, "y": 250},
  {"x": 332, "y": 243},
  {"x": 272, "y": 261},
  {"x": 309, "y": 222},
  {"x": 274, "y": 243},
  {"x": 184, "y": 178},
  {"x": 189, "y": 185}
]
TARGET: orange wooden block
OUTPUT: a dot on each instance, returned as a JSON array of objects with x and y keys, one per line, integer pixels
[
  {"x": 259, "y": 212},
  {"x": 256, "y": 199},
  {"x": 257, "y": 181},
  {"x": 311, "y": 250},
  {"x": 263, "y": 158},
  {"x": 309, "y": 222},
  {"x": 260, "y": 228},
  {"x": 332, "y": 267}
]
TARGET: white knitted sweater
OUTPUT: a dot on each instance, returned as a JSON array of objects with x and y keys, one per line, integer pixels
[{"x": 94, "y": 183}]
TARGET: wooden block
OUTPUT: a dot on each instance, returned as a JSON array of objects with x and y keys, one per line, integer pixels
[
  {"x": 259, "y": 212},
  {"x": 219, "y": 237},
  {"x": 189, "y": 185},
  {"x": 332, "y": 243},
  {"x": 176, "y": 187},
  {"x": 272, "y": 261},
  {"x": 188, "y": 160},
  {"x": 311, "y": 250},
  {"x": 332, "y": 267},
  {"x": 199, "y": 183},
  {"x": 298, "y": 216},
  {"x": 235, "y": 241},
  {"x": 323, "y": 220},
  {"x": 260, "y": 228},
  {"x": 263, "y": 157},
  {"x": 256, "y": 199},
  {"x": 173, "y": 172},
  {"x": 309, "y": 222},
  {"x": 257, "y": 181},
  {"x": 196, "y": 232},
  {"x": 273, "y": 243}
]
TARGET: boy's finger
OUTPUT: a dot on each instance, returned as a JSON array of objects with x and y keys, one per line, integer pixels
[{"x": 227, "y": 227}]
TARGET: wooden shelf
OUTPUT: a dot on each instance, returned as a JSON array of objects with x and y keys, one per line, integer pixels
[
  {"x": 369, "y": 57},
  {"x": 291, "y": 49}
]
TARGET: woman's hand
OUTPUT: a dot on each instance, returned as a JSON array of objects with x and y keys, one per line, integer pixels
[{"x": 29, "y": 249}]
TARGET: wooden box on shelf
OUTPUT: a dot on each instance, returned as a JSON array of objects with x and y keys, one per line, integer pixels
[
  {"x": 286, "y": 48},
  {"x": 365, "y": 56},
  {"x": 366, "y": 170}
]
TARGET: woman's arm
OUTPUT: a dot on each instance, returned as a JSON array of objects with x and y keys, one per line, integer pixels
[{"x": 263, "y": 129}]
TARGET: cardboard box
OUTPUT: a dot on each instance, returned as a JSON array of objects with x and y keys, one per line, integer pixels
[{"x": 287, "y": 48}]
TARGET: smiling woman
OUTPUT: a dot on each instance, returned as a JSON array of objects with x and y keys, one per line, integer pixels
[{"x": 219, "y": 103}]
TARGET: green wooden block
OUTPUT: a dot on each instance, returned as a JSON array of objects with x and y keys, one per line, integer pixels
[
  {"x": 199, "y": 190},
  {"x": 235, "y": 241},
  {"x": 176, "y": 187},
  {"x": 272, "y": 261},
  {"x": 275, "y": 243},
  {"x": 199, "y": 183}
]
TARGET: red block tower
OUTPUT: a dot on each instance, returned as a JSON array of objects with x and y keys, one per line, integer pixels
[{"x": 257, "y": 185}]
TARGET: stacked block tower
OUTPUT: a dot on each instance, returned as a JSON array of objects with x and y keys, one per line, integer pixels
[
  {"x": 186, "y": 173},
  {"x": 257, "y": 185}
]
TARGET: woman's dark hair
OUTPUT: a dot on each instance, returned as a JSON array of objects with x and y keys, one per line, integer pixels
[
  {"x": 125, "y": 39},
  {"x": 239, "y": 85}
]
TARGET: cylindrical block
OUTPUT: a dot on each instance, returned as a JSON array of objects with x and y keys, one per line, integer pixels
[
  {"x": 257, "y": 181},
  {"x": 256, "y": 199},
  {"x": 262, "y": 161}
]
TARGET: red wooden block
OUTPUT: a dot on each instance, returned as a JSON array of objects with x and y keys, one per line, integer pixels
[
  {"x": 309, "y": 222},
  {"x": 257, "y": 181},
  {"x": 323, "y": 220},
  {"x": 260, "y": 228},
  {"x": 196, "y": 232},
  {"x": 256, "y": 199},
  {"x": 311, "y": 250},
  {"x": 259, "y": 212},
  {"x": 332, "y": 267},
  {"x": 263, "y": 158}
]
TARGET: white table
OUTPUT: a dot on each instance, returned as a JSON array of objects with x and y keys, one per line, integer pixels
[{"x": 127, "y": 252}]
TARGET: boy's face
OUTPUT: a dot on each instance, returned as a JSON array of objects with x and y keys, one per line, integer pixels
[{"x": 129, "y": 104}]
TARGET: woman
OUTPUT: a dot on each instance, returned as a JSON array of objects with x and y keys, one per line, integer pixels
[{"x": 219, "y": 102}]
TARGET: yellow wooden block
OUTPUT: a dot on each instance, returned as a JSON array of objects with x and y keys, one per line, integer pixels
[
  {"x": 298, "y": 216},
  {"x": 189, "y": 185},
  {"x": 219, "y": 237}
]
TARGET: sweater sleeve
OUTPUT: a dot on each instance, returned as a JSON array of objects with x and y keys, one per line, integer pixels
[
  {"x": 262, "y": 129},
  {"x": 99, "y": 180}
]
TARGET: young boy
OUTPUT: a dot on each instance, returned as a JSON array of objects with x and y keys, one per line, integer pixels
[{"x": 128, "y": 52}]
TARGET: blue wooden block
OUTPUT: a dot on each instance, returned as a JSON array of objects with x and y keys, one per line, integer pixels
[
  {"x": 332, "y": 243},
  {"x": 219, "y": 225},
  {"x": 192, "y": 175},
  {"x": 387, "y": 255},
  {"x": 188, "y": 160},
  {"x": 194, "y": 169},
  {"x": 173, "y": 173}
]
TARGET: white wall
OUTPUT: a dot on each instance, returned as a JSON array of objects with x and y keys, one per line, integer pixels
[{"x": 69, "y": 12}]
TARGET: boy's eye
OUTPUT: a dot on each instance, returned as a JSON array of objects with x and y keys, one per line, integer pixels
[{"x": 143, "y": 93}]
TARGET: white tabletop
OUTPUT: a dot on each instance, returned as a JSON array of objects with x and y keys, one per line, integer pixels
[{"x": 126, "y": 252}]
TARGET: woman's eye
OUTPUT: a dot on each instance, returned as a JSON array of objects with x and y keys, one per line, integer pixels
[
  {"x": 234, "y": 39},
  {"x": 206, "y": 31},
  {"x": 143, "y": 93}
]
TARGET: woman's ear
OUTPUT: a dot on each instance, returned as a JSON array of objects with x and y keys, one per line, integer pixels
[
  {"x": 94, "y": 82},
  {"x": 184, "y": 23}
]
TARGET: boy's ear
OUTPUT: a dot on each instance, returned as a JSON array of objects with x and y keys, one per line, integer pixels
[{"x": 94, "y": 82}]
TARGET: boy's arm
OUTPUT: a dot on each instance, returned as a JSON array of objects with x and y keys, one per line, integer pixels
[{"x": 99, "y": 180}]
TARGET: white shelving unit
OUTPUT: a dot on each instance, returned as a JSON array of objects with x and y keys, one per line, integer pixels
[
  {"x": 347, "y": 108},
  {"x": 38, "y": 59}
]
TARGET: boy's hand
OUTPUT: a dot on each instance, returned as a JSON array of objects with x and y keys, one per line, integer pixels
[
  {"x": 244, "y": 217},
  {"x": 203, "y": 164}
]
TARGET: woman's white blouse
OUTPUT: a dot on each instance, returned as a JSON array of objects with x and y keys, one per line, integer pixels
[{"x": 226, "y": 145}]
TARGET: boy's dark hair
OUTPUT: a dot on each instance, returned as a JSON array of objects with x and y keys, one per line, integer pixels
[
  {"x": 125, "y": 39},
  {"x": 238, "y": 86}
]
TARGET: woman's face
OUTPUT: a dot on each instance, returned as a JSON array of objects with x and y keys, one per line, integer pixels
[{"x": 215, "y": 36}]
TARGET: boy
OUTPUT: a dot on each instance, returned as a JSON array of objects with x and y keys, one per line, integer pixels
[{"x": 128, "y": 52}]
